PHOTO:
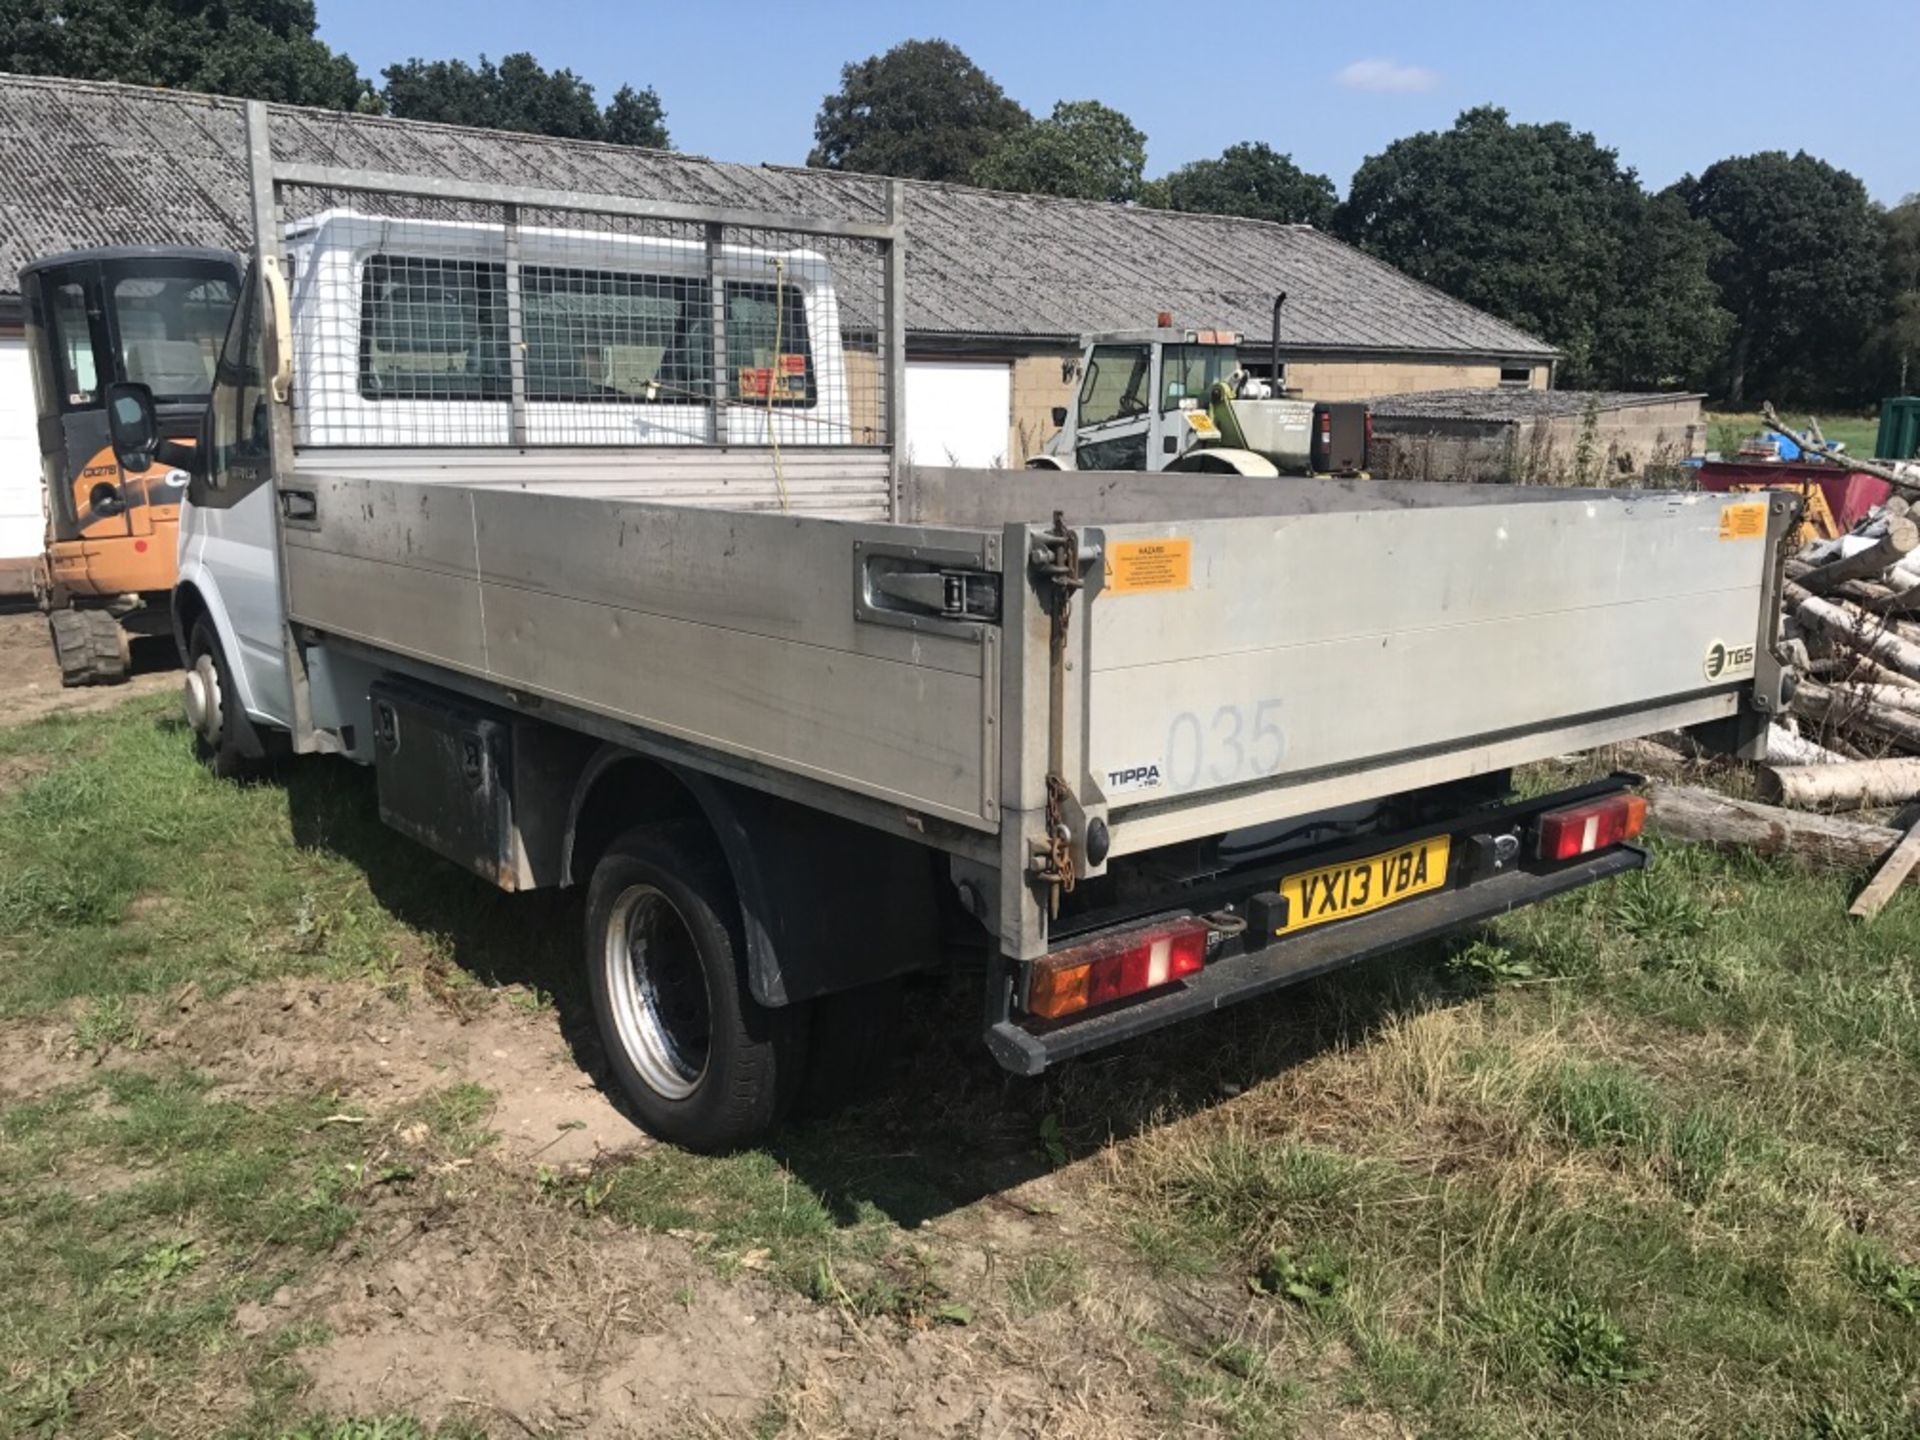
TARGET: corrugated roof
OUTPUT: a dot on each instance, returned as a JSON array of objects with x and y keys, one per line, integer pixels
[
  {"x": 88, "y": 163},
  {"x": 1514, "y": 404}
]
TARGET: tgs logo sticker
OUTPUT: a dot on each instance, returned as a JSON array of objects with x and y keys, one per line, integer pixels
[{"x": 1728, "y": 662}]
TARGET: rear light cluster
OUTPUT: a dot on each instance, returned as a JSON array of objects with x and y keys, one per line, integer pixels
[
  {"x": 1115, "y": 966},
  {"x": 1582, "y": 829}
]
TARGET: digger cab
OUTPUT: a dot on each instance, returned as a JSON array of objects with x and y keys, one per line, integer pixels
[{"x": 149, "y": 313}]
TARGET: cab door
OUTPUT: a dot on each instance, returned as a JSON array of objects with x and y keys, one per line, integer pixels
[
  {"x": 1116, "y": 409},
  {"x": 74, "y": 361}
]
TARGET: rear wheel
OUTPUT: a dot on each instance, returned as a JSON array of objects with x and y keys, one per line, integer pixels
[
  {"x": 703, "y": 1064},
  {"x": 90, "y": 646}
]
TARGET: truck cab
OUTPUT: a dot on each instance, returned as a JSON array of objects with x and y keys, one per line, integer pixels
[{"x": 1168, "y": 398}]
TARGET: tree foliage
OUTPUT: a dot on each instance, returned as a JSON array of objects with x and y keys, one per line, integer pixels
[
  {"x": 1802, "y": 270},
  {"x": 1542, "y": 226},
  {"x": 1084, "y": 150},
  {"x": 520, "y": 94},
  {"x": 636, "y": 117},
  {"x": 1254, "y": 180},
  {"x": 1663, "y": 324},
  {"x": 258, "y": 49},
  {"x": 923, "y": 111},
  {"x": 1899, "y": 338}
]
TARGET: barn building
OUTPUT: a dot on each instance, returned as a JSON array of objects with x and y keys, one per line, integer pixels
[{"x": 1000, "y": 287}]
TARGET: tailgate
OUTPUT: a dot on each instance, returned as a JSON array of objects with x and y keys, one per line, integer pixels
[{"x": 1227, "y": 655}]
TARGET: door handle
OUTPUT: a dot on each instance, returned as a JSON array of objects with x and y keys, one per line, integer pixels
[{"x": 300, "y": 507}]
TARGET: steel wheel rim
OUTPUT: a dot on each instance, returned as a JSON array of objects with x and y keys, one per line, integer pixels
[
  {"x": 212, "y": 703},
  {"x": 658, "y": 988}
]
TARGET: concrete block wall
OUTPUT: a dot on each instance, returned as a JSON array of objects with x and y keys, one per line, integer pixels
[
  {"x": 1363, "y": 379},
  {"x": 864, "y": 399},
  {"x": 1641, "y": 443},
  {"x": 1038, "y": 386}
]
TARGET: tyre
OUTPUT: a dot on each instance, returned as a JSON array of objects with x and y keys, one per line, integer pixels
[
  {"x": 90, "y": 646},
  {"x": 703, "y": 1064},
  {"x": 220, "y": 731}
]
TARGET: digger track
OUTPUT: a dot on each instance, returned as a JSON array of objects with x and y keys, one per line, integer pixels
[{"x": 91, "y": 647}]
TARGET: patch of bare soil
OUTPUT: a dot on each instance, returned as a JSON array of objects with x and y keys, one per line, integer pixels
[
  {"x": 353, "y": 1041},
  {"x": 30, "y": 678},
  {"x": 533, "y": 1321},
  {"x": 478, "y": 1293}
]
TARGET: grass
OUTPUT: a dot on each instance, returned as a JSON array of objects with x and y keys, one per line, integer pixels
[
  {"x": 1641, "y": 1162},
  {"x": 1727, "y": 428},
  {"x": 1663, "y": 1180}
]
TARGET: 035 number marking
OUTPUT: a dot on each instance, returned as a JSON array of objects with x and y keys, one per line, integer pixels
[{"x": 1235, "y": 742}]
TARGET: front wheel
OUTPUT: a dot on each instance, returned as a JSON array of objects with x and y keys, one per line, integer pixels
[
  {"x": 703, "y": 1064},
  {"x": 213, "y": 708}
]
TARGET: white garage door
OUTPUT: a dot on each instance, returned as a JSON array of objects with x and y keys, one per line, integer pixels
[
  {"x": 958, "y": 412},
  {"x": 22, "y": 528}
]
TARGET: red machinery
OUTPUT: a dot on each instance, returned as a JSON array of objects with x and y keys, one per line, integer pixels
[{"x": 1836, "y": 498}]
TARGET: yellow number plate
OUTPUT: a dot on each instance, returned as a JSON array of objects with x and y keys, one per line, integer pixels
[{"x": 1336, "y": 892}]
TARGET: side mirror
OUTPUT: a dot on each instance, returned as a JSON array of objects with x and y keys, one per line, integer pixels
[
  {"x": 1060, "y": 415},
  {"x": 132, "y": 426}
]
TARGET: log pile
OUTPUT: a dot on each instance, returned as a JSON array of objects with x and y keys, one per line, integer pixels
[
  {"x": 1848, "y": 751},
  {"x": 1852, "y": 627}
]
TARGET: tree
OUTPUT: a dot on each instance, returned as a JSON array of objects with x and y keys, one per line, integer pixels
[
  {"x": 259, "y": 49},
  {"x": 923, "y": 111},
  {"x": 1802, "y": 271},
  {"x": 1663, "y": 326},
  {"x": 1543, "y": 227},
  {"x": 1084, "y": 150},
  {"x": 521, "y": 94},
  {"x": 1900, "y": 331},
  {"x": 1256, "y": 181},
  {"x": 636, "y": 117}
]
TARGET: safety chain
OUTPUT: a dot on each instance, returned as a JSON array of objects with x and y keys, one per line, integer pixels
[{"x": 1056, "y": 558}]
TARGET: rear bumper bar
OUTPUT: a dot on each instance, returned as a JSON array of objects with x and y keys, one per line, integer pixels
[{"x": 1241, "y": 977}]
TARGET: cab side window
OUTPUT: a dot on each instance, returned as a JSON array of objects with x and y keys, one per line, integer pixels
[
  {"x": 73, "y": 345},
  {"x": 241, "y": 428},
  {"x": 1116, "y": 384}
]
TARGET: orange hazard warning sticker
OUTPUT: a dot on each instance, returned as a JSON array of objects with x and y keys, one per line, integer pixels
[
  {"x": 1134, "y": 565},
  {"x": 1744, "y": 522}
]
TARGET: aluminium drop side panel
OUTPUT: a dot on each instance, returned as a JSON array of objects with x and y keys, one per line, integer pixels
[
  {"x": 733, "y": 631},
  {"x": 1310, "y": 659}
]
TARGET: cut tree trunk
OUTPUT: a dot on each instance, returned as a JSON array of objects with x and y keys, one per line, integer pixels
[
  {"x": 1835, "y": 709},
  {"x": 1901, "y": 539},
  {"x": 1863, "y": 632},
  {"x": 1859, "y": 670},
  {"x": 1892, "y": 697},
  {"x": 1687, "y": 813},
  {"x": 1853, "y": 785},
  {"x": 1784, "y": 747}
]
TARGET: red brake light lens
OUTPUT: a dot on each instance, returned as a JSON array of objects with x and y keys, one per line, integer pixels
[
  {"x": 1583, "y": 829},
  {"x": 1115, "y": 966}
]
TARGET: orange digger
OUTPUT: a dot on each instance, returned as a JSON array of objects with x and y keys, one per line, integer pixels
[{"x": 149, "y": 313}]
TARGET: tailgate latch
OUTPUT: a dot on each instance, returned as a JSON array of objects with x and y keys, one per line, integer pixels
[
  {"x": 920, "y": 587},
  {"x": 950, "y": 594}
]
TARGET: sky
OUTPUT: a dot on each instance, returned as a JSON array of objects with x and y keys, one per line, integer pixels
[{"x": 1672, "y": 86}]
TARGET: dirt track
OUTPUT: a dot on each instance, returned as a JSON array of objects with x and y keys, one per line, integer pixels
[{"x": 30, "y": 680}]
